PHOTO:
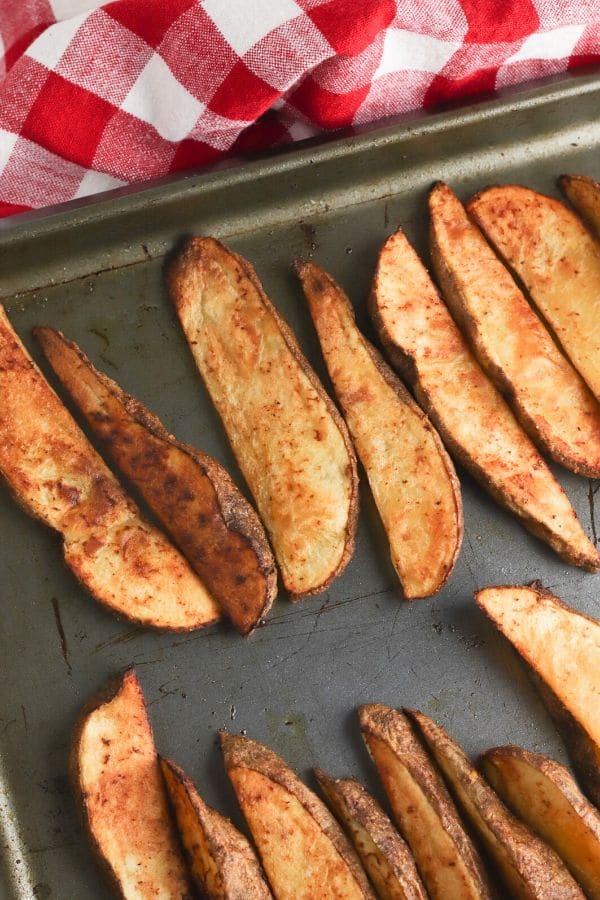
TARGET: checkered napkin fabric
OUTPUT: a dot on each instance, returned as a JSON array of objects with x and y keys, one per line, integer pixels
[{"x": 96, "y": 95}]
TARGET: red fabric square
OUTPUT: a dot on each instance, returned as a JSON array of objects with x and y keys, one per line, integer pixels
[
  {"x": 266, "y": 132},
  {"x": 132, "y": 150},
  {"x": 491, "y": 21},
  {"x": 11, "y": 209},
  {"x": 190, "y": 154},
  {"x": 327, "y": 109},
  {"x": 351, "y": 25},
  {"x": 16, "y": 50},
  {"x": 149, "y": 19},
  {"x": 67, "y": 119},
  {"x": 445, "y": 90},
  {"x": 242, "y": 95}
]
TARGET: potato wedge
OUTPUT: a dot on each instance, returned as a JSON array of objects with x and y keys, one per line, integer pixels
[
  {"x": 549, "y": 398},
  {"x": 57, "y": 477},
  {"x": 545, "y": 796},
  {"x": 386, "y": 858},
  {"x": 411, "y": 476},
  {"x": 562, "y": 648},
  {"x": 222, "y": 862},
  {"x": 584, "y": 194},
  {"x": 473, "y": 419},
  {"x": 446, "y": 858},
  {"x": 304, "y": 853},
  {"x": 189, "y": 492},
  {"x": 291, "y": 443},
  {"x": 530, "y": 869},
  {"x": 557, "y": 260},
  {"x": 117, "y": 780}
]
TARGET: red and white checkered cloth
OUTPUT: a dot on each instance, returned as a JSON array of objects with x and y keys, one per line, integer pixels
[{"x": 95, "y": 95}]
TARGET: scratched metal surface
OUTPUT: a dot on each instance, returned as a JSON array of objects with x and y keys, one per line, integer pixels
[{"x": 296, "y": 682}]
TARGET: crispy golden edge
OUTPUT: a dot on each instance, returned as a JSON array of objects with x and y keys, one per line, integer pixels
[
  {"x": 237, "y": 514},
  {"x": 244, "y": 753},
  {"x": 537, "y": 867},
  {"x": 351, "y": 802},
  {"x": 407, "y": 367},
  {"x": 491, "y": 763},
  {"x": 302, "y": 267},
  {"x": 104, "y": 696},
  {"x": 582, "y": 750},
  {"x": 230, "y": 850},
  {"x": 538, "y": 431},
  {"x": 584, "y": 194},
  {"x": 382, "y": 722},
  {"x": 175, "y": 272}
]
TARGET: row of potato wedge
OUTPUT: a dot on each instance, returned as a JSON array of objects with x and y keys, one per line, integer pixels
[
  {"x": 296, "y": 452},
  {"x": 516, "y": 825}
]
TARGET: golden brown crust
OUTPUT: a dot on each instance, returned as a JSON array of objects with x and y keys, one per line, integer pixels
[
  {"x": 550, "y": 399},
  {"x": 545, "y": 796},
  {"x": 446, "y": 858},
  {"x": 240, "y": 753},
  {"x": 557, "y": 260},
  {"x": 220, "y": 858},
  {"x": 57, "y": 476},
  {"x": 190, "y": 493},
  {"x": 584, "y": 194},
  {"x": 124, "y": 808},
  {"x": 412, "y": 477},
  {"x": 529, "y": 868},
  {"x": 561, "y": 647},
  {"x": 475, "y": 423},
  {"x": 385, "y": 856},
  {"x": 248, "y": 388}
]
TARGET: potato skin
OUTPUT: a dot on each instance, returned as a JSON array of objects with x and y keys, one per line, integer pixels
[
  {"x": 584, "y": 194},
  {"x": 177, "y": 885},
  {"x": 189, "y": 492},
  {"x": 202, "y": 262}
]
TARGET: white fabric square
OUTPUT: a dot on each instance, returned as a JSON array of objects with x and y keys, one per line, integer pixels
[
  {"x": 555, "y": 44},
  {"x": 49, "y": 47},
  {"x": 7, "y": 142},
  {"x": 94, "y": 182},
  {"x": 407, "y": 50},
  {"x": 64, "y": 9},
  {"x": 162, "y": 101},
  {"x": 244, "y": 24}
]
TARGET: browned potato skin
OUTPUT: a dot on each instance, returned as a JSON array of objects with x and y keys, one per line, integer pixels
[
  {"x": 197, "y": 256},
  {"x": 549, "y": 398},
  {"x": 581, "y": 737},
  {"x": 240, "y": 754},
  {"x": 584, "y": 194},
  {"x": 55, "y": 474},
  {"x": 530, "y": 869},
  {"x": 221, "y": 860},
  {"x": 557, "y": 260},
  {"x": 545, "y": 796},
  {"x": 385, "y": 856},
  {"x": 446, "y": 858},
  {"x": 520, "y": 491},
  {"x": 189, "y": 492},
  {"x": 128, "y": 802},
  {"x": 424, "y": 531}
]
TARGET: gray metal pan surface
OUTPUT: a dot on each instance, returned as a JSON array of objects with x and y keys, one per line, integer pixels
[{"x": 95, "y": 270}]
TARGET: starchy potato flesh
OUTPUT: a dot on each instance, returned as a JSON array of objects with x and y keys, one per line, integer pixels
[
  {"x": 117, "y": 778},
  {"x": 530, "y": 869},
  {"x": 386, "y": 858},
  {"x": 562, "y": 647},
  {"x": 304, "y": 852},
  {"x": 446, "y": 858},
  {"x": 557, "y": 260},
  {"x": 411, "y": 476},
  {"x": 221, "y": 860},
  {"x": 290, "y": 442},
  {"x": 584, "y": 195},
  {"x": 545, "y": 796},
  {"x": 189, "y": 492},
  {"x": 472, "y": 417},
  {"x": 550, "y": 399},
  {"x": 56, "y": 476}
]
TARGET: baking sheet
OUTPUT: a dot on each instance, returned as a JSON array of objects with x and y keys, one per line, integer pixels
[{"x": 94, "y": 269}]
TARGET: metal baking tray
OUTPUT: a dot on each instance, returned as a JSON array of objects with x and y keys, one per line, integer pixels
[{"x": 95, "y": 269}]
